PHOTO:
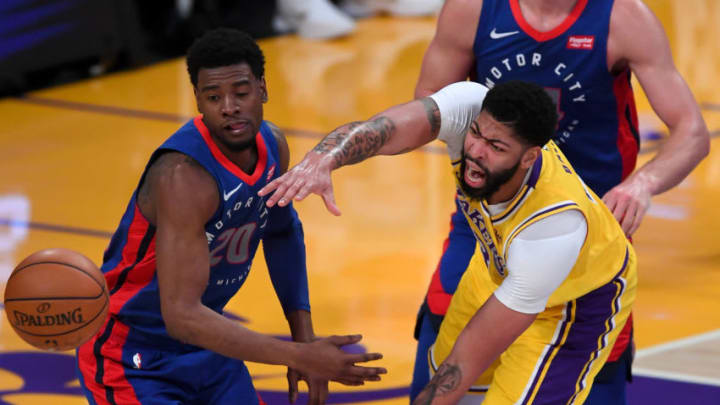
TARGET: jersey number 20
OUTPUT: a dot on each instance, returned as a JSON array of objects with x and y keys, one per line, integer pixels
[{"x": 237, "y": 241}]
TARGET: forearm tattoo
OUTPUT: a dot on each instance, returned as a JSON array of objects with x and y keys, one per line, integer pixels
[
  {"x": 446, "y": 380},
  {"x": 433, "y": 114},
  {"x": 357, "y": 141}
]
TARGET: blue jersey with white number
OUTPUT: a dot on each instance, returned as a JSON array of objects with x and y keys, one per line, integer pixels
[
  {"x": 598, "y": 122},
  {"x": 233, "y": 233}
]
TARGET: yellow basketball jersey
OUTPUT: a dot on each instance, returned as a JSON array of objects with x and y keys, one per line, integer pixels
[{"x": 552, "y": 187}]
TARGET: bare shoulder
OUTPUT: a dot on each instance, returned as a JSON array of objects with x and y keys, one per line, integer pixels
[
  {"x": 283, "y": 148},
  {"x": 458, "y": 20},
  {"x": 177, "y": 176},
  {"x": 631, "y": 15},
  {"x": 636, "y": 34}
]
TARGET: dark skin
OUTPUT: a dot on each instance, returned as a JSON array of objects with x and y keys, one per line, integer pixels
[{"x": 179, "y": 196}]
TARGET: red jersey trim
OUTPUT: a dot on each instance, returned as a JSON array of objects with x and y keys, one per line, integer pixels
[
  {"x": 627, "y": 140},
  {"x": 553, "y": 33},
  {"x": 226, "y": 163}
]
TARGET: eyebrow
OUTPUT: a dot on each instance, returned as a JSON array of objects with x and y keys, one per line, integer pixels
[
  {"x": 237, "y": 83},
  {"x": 476, "y": 129}
]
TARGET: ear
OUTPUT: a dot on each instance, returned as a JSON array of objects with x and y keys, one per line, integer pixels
[
  {"x": 197, "y": 100},
  {"x": 530, "y": 156},
  {"x": 263, "y": 89}
]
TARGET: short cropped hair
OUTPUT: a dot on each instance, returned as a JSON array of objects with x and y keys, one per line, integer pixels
[
  {"x": 224, "y": 47},
  {"x": 526, "y": 108}
]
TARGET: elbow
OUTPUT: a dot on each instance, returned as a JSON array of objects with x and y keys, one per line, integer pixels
[
  {"x": 701, "y": 137},
  {"x": 178, "y": 322}
]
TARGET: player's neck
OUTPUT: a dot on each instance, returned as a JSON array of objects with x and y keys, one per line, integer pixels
[
  {"x": 544, "y": 15},
  {"x": 245, "y": 159}
]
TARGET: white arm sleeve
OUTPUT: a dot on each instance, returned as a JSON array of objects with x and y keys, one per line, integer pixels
[
  {"x": 459, "y": 103},
  {"x": 539, "y": 259}
]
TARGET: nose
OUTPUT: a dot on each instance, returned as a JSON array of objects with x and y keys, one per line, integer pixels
[
  {"x": 477, "y": 148},
  {"x": 230, "y": 106}
]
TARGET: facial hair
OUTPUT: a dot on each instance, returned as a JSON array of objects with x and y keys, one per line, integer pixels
[
  {"x": 241, "y": 146},
  {"x": 493, "y": 180}
]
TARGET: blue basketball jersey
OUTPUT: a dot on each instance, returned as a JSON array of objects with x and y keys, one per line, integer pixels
[
  {"x": 233, "y": 233},
  {"x": 597, "y": 129}
]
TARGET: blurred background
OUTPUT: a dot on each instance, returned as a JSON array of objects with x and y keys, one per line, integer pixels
[{"x": 89, "y": 88}]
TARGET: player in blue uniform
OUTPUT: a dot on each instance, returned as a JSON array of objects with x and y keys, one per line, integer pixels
[
  {"x": 185, "y": 246},
  {"x": 583, "y": 53}
]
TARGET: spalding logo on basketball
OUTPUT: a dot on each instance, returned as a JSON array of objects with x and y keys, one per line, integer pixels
[{"x": 56, "y": 299}]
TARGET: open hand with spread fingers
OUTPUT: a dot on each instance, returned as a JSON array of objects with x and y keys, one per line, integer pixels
[
  {"x": 324, "y": 359},
  {"x": 311, "y": 175}
]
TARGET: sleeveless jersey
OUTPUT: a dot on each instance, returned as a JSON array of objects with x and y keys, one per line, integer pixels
[
  {"x": 233, "y": 233},
  {"x": 552, "y": 187},
  {"x": 597, "y": 129}
]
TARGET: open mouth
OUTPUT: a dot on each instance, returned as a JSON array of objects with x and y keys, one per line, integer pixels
[
  {"x": 474, "y": 176},
  {"x": 236, "y": 127}
]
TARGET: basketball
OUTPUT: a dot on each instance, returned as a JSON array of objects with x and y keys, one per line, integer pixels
[{"x": 56, "y": 299}]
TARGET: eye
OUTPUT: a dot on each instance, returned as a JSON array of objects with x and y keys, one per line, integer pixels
[
  {"x": 213, "y": 97},
  {"x": 496, "y": 148}
]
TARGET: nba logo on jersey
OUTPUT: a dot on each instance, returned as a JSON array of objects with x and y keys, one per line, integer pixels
[
  {"x": 137, "y": 360},
  {"x": 581, "y": 42},
  {"x": 270, "y": 173}
]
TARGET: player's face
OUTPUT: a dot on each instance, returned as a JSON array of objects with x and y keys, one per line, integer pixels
[
  {"x": 491, "y": 157},
  {"x": 231, "y": 100}
]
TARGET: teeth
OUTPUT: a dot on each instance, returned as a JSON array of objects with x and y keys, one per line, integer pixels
[{"x": 475, "y": 175}]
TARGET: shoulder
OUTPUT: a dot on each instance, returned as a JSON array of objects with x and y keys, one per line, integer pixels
[
  {"x": 458, "y": 21},
  {"x": 283, "y": 148},
  {"x": 175, "y": 180},
  {"x": 177, "y": 173},
  {"x": 634, "y": 30}
]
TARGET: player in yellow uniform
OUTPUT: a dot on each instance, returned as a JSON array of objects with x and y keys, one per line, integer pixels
[{"x": 553, "y": 278}]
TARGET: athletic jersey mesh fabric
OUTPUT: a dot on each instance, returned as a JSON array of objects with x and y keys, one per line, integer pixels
[
  {"x": 597, "y": 130},
  {"x": 233, "y": 232}
]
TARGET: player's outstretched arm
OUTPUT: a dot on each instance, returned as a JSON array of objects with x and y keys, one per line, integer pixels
[
  {"x": 637, "y": 39},
  {"x": 183, "y": 197},
  {"x": 396, "y": 130}
]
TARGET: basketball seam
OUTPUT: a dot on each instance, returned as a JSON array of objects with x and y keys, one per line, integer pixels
[
  {"x": 102, "y": 287},
  {"x": 55, "y": 298}
]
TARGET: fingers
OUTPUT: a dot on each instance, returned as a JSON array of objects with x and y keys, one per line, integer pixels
[
  {"x": 329, "y": 199},
  {"x": 639, "y": 215},
  {"x": 367, "y": 373},
  {"x": 363, "y": 357},
  {"x": 279, "y": 187},
  {"x": 270, "y": 187},
  {"x": 353, "y": 382},
  {"x": 292, "y": 378},
  {"x": 629, "y": 218},
  {"x": 313, "y": 394},
  {"x": 344, "y": 339}
]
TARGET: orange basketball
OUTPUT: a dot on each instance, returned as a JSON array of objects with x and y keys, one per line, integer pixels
[{"x": 56, "y": 299}]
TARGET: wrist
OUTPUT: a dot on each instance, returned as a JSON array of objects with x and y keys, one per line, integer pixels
[{"x": 295, "y": 355}]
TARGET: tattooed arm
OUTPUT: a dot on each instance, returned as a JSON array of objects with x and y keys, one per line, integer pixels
[
  {"x": 396, "y": 130},
  {"x": 490, "y": 331}
]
